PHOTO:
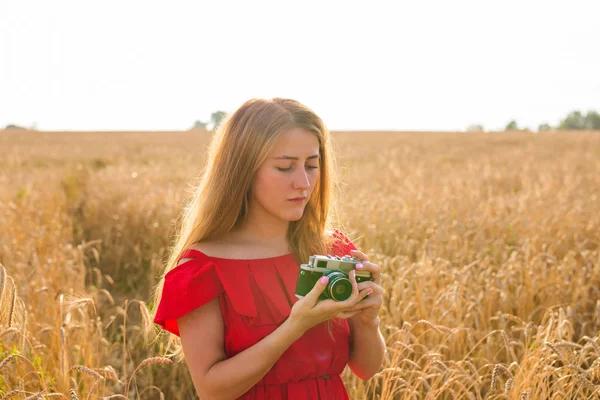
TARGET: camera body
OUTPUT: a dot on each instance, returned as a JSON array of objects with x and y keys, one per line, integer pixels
[{"x": 337, "y": 269}]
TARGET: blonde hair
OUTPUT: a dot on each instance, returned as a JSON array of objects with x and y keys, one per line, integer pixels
[{"x": 221, "y": 200}]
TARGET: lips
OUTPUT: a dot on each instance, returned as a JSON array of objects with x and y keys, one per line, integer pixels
[{"x": 298, "y": 199}]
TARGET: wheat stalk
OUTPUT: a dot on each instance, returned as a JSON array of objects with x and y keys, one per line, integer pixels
[
  {"x": 442, "y": 365},
  {"x": 7, "y": 360},
  {"x": 2, "y": 282},
  {"x": 411, "y": 363},
  {"x": 87, "y": 370},
  {"x": 41, "y": 290},
  {"x": 494, "y": 374},
  {"x": 13, "y": 301},
  {"x": 35, "y": 395},
  {"x": 13, "y": 393},
  {"x": 110, "y": 371},
  {"x": 405, "y": 383},
  {"x": 63, "y": 350},
  {"x": 593, "y": 343},
  {"x": 507, "y": 385},
  {"x": 9, "y": 330},
  {"x": 147, "y": 361},
  {"x": 94, "y": 386},
  {"x": 107, "y": 294},
  {"x": 79, "y": 302},
  {"x": 564, "y": 343}
]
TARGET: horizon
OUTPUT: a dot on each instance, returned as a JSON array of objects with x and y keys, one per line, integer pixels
[{"x": 426, "y": 67}]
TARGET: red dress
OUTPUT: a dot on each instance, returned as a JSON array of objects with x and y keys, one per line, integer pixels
[{"x": 255, "y": 298}]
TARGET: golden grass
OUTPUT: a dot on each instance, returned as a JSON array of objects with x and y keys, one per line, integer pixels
[{"x": 489, "y": 244}]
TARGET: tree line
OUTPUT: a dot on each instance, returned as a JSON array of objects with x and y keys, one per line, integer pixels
[{"x": 576, "y": 120}]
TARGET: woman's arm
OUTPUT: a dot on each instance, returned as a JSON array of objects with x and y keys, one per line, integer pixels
[
  {"x": 367, "y": 348},
  {"x": 214, "y": 375},
  {"x": 367, "y": 345}
]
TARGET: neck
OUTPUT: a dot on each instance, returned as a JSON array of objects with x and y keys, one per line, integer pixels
[{"x": 262, "y": 227}]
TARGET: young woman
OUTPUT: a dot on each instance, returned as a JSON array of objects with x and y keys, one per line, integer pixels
[{"x": 228, "y": 290}]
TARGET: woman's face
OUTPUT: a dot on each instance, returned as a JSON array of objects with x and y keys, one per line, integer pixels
[{"x": 290, "y": 171}]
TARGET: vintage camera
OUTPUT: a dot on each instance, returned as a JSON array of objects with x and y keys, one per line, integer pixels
[{"x": 337, "y": 269}]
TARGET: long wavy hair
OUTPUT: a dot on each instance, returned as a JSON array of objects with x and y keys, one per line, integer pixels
[{"x": 221, "y": 200}]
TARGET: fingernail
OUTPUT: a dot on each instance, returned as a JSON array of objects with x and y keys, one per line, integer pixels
[
  {"x": 324, "y": 279},
  {"x": 359, "y": 266},
  {"x": 354, "y": 250},
  {"x": 370, "y": 291}
]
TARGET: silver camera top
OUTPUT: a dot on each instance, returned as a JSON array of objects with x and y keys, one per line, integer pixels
[{"x": 345, "y": 264}]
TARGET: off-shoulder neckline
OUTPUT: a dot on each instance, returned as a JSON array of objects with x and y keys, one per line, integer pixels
[{"x": 242, "y": 259}]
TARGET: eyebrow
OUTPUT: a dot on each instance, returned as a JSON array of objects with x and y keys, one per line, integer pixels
[{"x": 285, "y": 157}]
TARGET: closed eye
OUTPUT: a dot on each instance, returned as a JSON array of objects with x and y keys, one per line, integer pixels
[{"x": 290, "y": 168}]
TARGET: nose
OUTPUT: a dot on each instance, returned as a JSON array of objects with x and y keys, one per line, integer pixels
[{"x": 301, "y": 180}]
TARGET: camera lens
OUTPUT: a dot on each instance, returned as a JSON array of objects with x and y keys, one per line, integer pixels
[{"x": 339, "y": 287}]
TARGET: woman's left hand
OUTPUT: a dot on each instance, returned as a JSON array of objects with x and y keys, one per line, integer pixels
[{"x": 369, "y": 307}]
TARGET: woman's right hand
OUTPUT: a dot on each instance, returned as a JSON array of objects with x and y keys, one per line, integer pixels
[{"x": 310, "y": 311}]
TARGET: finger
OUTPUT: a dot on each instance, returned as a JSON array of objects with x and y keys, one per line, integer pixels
[
  {"x": 359, "y": 254},
  {"x": 347, "y": 314},
  {"x": 313, "y": 296},
  {"x": 364, "y": 294},
  {"x": 367, "y": 303},
  {"x": 355, "y": 290},
  {"x": 361, "y": 297},
  {"x": 372, "y": 268},
  {"x": 370, "y": 285}
]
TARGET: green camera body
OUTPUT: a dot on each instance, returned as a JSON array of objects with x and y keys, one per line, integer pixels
[{"x": 337, "y": 269}]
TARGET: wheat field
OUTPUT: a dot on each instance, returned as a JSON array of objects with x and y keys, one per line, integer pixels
[{"x": 489, "y": 242}]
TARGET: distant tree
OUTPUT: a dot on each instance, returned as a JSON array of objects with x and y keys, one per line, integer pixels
[
  {"x": 544, "y": 127},
  {"x": 217, "y": 117},
  {"x": 511, "y": 126},
  {"x": 200, "y": 125},
  {"x": 573, "y": 121},
  {"x": 12, "y": 126},
  {"x": 475, "y": 128},
  {"x": 576, "y": 120},
  {"x": 592, "y": 120}
]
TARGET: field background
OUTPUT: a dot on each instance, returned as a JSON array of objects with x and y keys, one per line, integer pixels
[{"x": 489, "y": 243}]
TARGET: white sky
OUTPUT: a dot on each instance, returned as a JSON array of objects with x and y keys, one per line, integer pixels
[{"x": 407, "y": 65}]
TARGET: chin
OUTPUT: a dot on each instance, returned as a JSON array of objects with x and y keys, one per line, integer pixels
[{"x": 293, "y": 216}]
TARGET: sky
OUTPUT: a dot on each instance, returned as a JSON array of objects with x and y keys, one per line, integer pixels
[{"x": 377, "y": 65}]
